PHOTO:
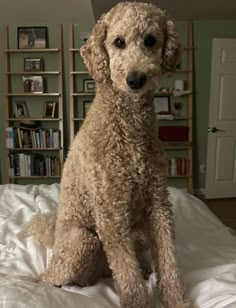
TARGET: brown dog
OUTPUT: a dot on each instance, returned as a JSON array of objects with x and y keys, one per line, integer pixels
[{"x": 113, "y": 187}]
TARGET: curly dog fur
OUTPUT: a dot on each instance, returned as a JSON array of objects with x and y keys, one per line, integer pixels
[{"x": 114, "y": 199}]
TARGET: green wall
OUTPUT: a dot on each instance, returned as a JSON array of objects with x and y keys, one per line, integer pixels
[{"x": 204, "y": 32}]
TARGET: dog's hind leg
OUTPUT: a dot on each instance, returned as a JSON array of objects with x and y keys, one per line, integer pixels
[{"x": 74, "y": 259}]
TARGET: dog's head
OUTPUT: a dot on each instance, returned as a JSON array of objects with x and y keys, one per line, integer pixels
[{"x": 132, "y": 46}]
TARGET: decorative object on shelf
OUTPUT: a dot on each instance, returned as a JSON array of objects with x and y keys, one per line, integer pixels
[
  {"x": 84, "y": 37},
  {"x": 179, "y": 85},
  {"x": 32, "y": 37},
  {"x": 21, "y": 110},
  {"x": 181, "y": 93},
  {"x": 86, "y": 105},
  {"x": 89, "y": 85},
  {"x": 162, "y": 104},
  {"x": 33, "y": 84},
  {"x": 169, "y": 117},
  {"x": 49, "y": 110},
  {"x": 177, "y": 106},
  {"x": 173, "y": 133},
  {"x": 33, "y": 64}
]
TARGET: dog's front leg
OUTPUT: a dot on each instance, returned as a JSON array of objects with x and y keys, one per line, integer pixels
[
  {"x": 162, "y": 238},
  {"x": 112, "y": 220}
]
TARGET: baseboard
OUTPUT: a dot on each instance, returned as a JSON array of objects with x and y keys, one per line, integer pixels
[{"x": 199, "y": 191}]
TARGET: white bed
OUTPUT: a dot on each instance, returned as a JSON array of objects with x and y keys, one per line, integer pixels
[{"x": 206, "y": 250}]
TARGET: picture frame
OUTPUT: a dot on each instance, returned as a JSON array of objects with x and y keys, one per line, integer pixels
[
  {"x": 33, "y": 84},
  {"x": 32, "y": 37},
  {"x": 162, "y": 104},
  {"x": 86, "y": 106},
  {"x": 49, "y": 109},
  {"x": 20, "y": 110},
  {"x": 89, "y": 86},
  {"x": 33, "y": 64}
]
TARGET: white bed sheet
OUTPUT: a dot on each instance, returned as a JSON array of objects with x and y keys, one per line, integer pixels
[{"x": 206, "y": 251}]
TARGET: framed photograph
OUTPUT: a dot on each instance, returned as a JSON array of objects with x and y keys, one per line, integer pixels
[
  {"x": 49, "y": 110},
  {"x": 89, "y": 85},
  {"x": 87, "y": 105},
  {"x": 162, "y": 104},
  {"x": 20, "y": 110},
  {"x": 33, "y": 64},
  {"x": 32, "y": 37},
  {"x": 33, "y": 84}
]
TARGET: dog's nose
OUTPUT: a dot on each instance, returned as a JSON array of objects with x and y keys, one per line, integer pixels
[{"x": 136, "y": 80}]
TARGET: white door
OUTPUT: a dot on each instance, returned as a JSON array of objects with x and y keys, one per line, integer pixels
[{"x": 221, "y": 148}]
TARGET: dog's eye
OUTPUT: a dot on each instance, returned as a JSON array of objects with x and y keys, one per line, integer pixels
[
  {"x": 119, "y": 43},
  {"x": 149, "y": 40}
]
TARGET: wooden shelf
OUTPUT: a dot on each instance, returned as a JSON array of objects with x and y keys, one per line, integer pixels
[
  {"x": 79, "y": 73},
  {"x": 83, "y": 94},
  {"x": 33, "y": 94},
  {"x": 33, "y": 50},
  {"x": 179, "y": 176},
  {"x": 179, "y": 118},
  {"x": 34, "y": 149},
  {"x": 176, "y": 145},
  {"x": 34, "y": 119},
  {"x": 35, "y": 177},
  {"x": 35, "y": 73}
]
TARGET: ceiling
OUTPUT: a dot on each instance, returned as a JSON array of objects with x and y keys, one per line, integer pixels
[
  {"x": 182, "y": 9},
  {"x": 87, "y": 11}
]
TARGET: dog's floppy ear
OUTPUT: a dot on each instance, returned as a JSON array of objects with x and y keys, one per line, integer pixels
[
  {"x": 171, "y": 49},
  {"x": 94, "y": 53}
]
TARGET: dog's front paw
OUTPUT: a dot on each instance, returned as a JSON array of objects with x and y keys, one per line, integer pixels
[
  {"x": 49, "y": 280},
  {"x": 135, "y": 298}
]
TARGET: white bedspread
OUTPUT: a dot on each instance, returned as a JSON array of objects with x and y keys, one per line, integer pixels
[{"x": 206, "y": 250}]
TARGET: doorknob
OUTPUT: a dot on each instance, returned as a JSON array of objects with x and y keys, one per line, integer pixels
[{"x": 214, "y": 130}]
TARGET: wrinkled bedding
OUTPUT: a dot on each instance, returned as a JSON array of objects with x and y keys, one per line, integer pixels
[{"x": 206, "y": 250}]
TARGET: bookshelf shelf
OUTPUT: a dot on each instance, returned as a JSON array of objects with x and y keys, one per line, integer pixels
[
  {"x": 33, "y": 94},
  {"x": 35, "y": 119},
  {"x": 35, "y": 50},
  {"x": 34, "y": 149},
  {"x": 35, "y": 152},
  {"x": 35, "y": 73},
  {"x": 83, "y": 94},
  {"x": 34, "y": 177}
]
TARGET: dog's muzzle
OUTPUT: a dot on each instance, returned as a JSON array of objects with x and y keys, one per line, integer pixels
[{"x": 136, "y": 80}]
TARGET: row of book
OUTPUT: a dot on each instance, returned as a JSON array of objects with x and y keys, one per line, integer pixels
[
  {"x": 37, "y": 138},
  {"x": 23, "y": 164},
  {"x": 178, "y": 166}
]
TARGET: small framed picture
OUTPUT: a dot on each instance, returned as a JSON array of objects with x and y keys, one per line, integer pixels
[
  {"x": 32, "y": 37},
  {"x": 162, "y": 104},
  {"x": 49, "y": 110},
  {"x": 20, "y": 110},
  {"x": 89, "y": 85},
  {"x": 33, "y": 65},
  {"x": 33, "y": 84},
  {"x": 87, "y": 105}
]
